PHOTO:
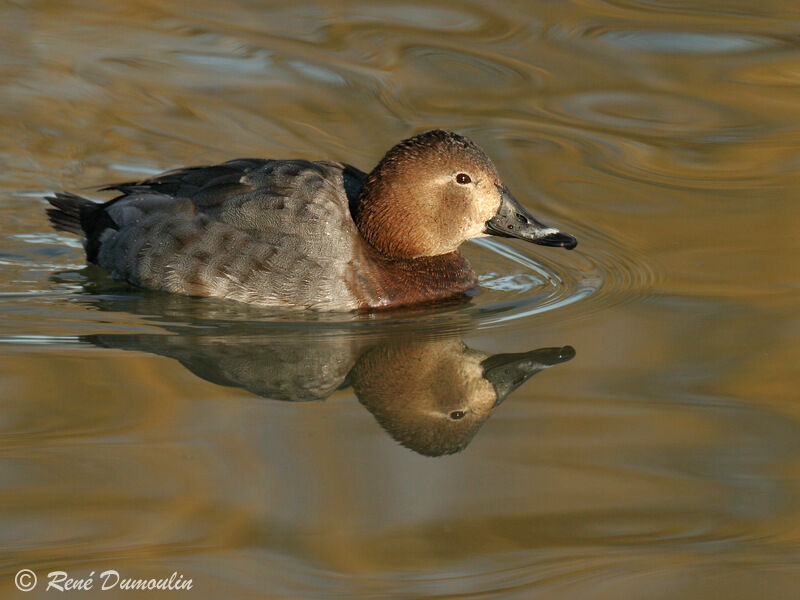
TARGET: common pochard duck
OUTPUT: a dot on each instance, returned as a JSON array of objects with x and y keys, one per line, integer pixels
[{"x": 299, "y": 234}]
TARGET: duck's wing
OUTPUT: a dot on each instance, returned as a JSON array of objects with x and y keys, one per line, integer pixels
[
  {"x": 186, "y": 182},
  {"x": 214, "y": 188},
  {"x": 272, "y": 232}
]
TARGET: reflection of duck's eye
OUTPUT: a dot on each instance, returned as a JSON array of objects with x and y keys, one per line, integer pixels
[
  {"x": 457, "y": 414},
  {"x": 463, "y": 178}
]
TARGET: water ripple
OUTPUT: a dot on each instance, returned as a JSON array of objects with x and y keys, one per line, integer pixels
[
  {"x": 685, "y": 42},
  {"x": 643, "y": 113}
]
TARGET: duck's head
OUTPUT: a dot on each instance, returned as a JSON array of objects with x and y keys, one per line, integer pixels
[{"x": 436, "y": 190}]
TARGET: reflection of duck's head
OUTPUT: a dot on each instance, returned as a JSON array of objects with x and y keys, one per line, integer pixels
[{"x": 433, "y": 396}]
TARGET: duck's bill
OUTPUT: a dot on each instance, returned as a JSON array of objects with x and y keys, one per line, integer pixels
[{"x": 512, "y": 220}]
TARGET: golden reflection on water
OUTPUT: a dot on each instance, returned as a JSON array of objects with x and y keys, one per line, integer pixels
[{"x": 662, "y": 461}]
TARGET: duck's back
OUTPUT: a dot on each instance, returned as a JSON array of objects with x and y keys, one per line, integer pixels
[{"x": 268, "y": 232}]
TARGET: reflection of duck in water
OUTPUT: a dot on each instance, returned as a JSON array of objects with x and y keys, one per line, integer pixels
[{"x": 431, "y": 395}]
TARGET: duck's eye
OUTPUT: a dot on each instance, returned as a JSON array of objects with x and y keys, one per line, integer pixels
[
  {"x": 457, "y": 414},
  {"x": 463, "y": 178}
]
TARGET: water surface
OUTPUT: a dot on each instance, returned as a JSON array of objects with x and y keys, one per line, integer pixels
[{"x": 260, "y": 453}]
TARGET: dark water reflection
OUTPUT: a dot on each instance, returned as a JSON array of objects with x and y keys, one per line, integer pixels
[{"x": 660, "y": 462}]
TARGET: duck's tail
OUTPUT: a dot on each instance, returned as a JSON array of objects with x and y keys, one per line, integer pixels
[{"x": 66, "y": 212}]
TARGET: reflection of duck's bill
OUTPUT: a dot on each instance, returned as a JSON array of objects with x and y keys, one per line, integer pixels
[
  {"x": 512, "y": 220},
  {"x": 506, "y": 372}
]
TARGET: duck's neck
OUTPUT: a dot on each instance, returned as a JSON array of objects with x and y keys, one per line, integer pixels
[{"x": 380, "y": 282}]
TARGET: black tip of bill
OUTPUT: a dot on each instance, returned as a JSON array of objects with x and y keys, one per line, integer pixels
[{"x": 558, "y": 239}]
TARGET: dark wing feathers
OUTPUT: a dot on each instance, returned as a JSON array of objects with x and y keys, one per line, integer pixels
[
  {"x": 186, "y": 181},
  {"x": 209, "y": 186}
]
